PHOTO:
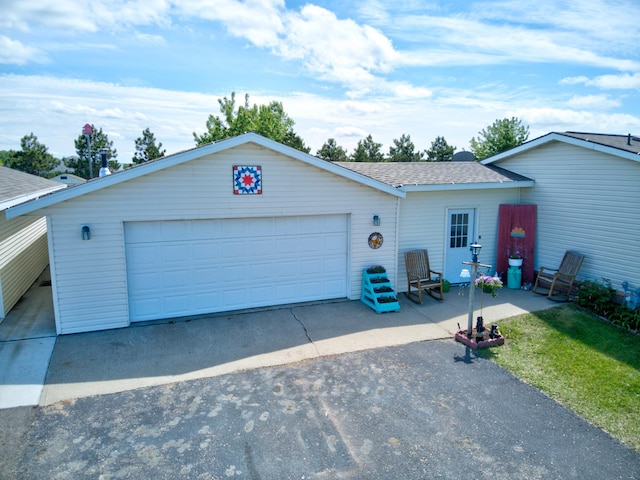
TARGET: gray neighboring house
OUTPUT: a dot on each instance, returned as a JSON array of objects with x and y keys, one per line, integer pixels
[
  {"x": 68, "y": 179},
  {"x": 23, "y": 240}
]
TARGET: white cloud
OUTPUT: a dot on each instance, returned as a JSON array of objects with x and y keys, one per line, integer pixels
[
  {"x": 598, "y": 102},
  {"x": 259, "y": 21},
  {"x": 337, "y": 50},
  {"x": 624, "y": 81},
  {"x": 556, "y": 119},
  {"x": 151, "y": 39},
  {"x": 83, "y": 16},
  {"x": 16, "y": 53}
]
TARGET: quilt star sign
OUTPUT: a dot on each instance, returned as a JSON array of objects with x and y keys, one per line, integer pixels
[{"x": 247, "y": 180}]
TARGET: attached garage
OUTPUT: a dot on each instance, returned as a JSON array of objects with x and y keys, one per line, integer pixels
[
  {"x": 242, "y": 223},
  {"x": 180, "y": 268}
]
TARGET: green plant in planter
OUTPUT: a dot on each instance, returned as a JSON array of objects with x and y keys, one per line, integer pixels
[
  {"x": 446, "y": 285},
  {"x": 388, "y": 299},
  {"x": 376, "y": 269},
  {"x": 383, "y": 289},
  {"x": 489, "y": 284}
]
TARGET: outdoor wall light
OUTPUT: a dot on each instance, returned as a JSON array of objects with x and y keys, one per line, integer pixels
[
  {"x": 376, "y": 220},
  {"x": 86, "y": 233},
  {"x": 475, "y": 251}
]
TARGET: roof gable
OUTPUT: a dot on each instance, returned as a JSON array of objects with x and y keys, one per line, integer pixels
[
  {"x": 196, "y": 153},
  {"x": 17, "y": 187},
  {"x": 624, "y": 146}
]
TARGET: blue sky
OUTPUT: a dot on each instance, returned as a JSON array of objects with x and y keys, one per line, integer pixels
[{"x": 342, "y": 69}]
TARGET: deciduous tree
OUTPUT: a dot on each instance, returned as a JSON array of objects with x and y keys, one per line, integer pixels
[
  {"x": 270, "y": 121},
  {"x": 499, "y": 137}
]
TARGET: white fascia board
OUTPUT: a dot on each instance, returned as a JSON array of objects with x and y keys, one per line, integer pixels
[
  {"x": 188, "y": 155},
  {"x": 551, "y": 137},
  {"x": 13, "y": 202},
  {"x": 466, "y": 186}
]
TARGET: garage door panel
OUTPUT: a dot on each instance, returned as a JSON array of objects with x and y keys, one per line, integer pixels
[
  {"x": 175, "y": 254},
  {"x": 203, "y": 251},
  {"x": 176, "y": 279},
  {"x": 146, "y": 309},
  {"x": 143, "y": 254},
  {"x": 192, "y": 267},
  {"x": 177, "y": 305}
]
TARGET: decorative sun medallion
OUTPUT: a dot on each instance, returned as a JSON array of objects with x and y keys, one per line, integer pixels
[
  {"x": 375, "y": 240},
  {"x": 247, "y": 180}
]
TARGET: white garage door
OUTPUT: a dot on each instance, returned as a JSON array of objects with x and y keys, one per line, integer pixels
[{"x": 179, "y": 268}]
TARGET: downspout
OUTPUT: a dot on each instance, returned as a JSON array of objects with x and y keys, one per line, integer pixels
[{"x": 395, "y": 282}]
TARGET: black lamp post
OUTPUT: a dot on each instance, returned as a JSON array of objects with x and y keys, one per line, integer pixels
[{"x": 475, "y": 251}]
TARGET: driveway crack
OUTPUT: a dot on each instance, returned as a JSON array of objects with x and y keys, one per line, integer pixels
[{"x": 306, "y": 332}]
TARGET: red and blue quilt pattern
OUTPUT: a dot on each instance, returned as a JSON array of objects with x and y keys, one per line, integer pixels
[{"x": 247, "y": 180}]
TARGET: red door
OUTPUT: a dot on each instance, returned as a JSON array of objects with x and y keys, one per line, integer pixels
[{"x": 517, "y": 232}]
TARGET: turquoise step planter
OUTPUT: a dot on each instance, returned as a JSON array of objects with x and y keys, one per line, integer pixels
[{"x": 376, "y": 288}]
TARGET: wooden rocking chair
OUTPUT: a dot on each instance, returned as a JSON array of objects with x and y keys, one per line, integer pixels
[
  {"x": 556, "y": 284},
  {"x": 420, "y": 276}
]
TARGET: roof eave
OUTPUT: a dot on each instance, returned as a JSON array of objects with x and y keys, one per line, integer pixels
[
  {"x": 12, "y": 203},
  {"x": 558, "y": 137},
  {"x": 467, "y": 186}
]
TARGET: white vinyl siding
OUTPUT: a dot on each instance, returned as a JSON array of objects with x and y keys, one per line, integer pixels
[
  {"x": 587, "y": 201},
  {"x": 90, "y": 276},
  {"x": 423, "y": 221},
  {"x": 23, "y": 256}
]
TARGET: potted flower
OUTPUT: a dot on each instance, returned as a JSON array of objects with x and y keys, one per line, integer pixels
[
  {"x": 489, "y": 284},
  {"x": 515, "y": 259}
]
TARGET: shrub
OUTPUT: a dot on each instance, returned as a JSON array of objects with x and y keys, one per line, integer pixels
[{"x": 600, "y": 298}]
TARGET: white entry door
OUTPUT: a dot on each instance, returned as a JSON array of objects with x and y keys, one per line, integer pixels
[
  {"x": 191, "y": 267},
  {"x": 460, "y": 231}
]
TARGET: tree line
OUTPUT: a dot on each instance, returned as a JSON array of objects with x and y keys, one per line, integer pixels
[{"x": 270, "y": 121}]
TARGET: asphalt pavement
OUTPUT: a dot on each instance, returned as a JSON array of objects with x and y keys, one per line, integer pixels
[{"x": 425, "y": 410}]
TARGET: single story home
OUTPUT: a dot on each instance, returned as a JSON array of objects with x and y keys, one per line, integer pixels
[
  {"x": 247, "y": 222},
  {"x": 23, "y": 240}
]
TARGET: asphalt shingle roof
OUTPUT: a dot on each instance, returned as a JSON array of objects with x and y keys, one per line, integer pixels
[
  {"x": 15, "y": 184},
  {"x": 432, "y": 173},
  {"x": 628, "y": 143}
]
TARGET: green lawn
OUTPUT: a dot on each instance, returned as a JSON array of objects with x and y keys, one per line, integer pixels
[{"x": 583, "y": 362}]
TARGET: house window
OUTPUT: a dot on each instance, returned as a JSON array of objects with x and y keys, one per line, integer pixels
[{"x": 459, "y": 236}]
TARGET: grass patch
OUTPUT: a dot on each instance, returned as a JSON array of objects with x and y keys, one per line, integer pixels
[{"x": 581, "y": 361}]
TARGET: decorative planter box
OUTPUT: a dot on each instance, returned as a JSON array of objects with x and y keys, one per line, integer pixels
[
  {"x": 378, "y": 300},
  {"x": 461, "y": 336}
]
